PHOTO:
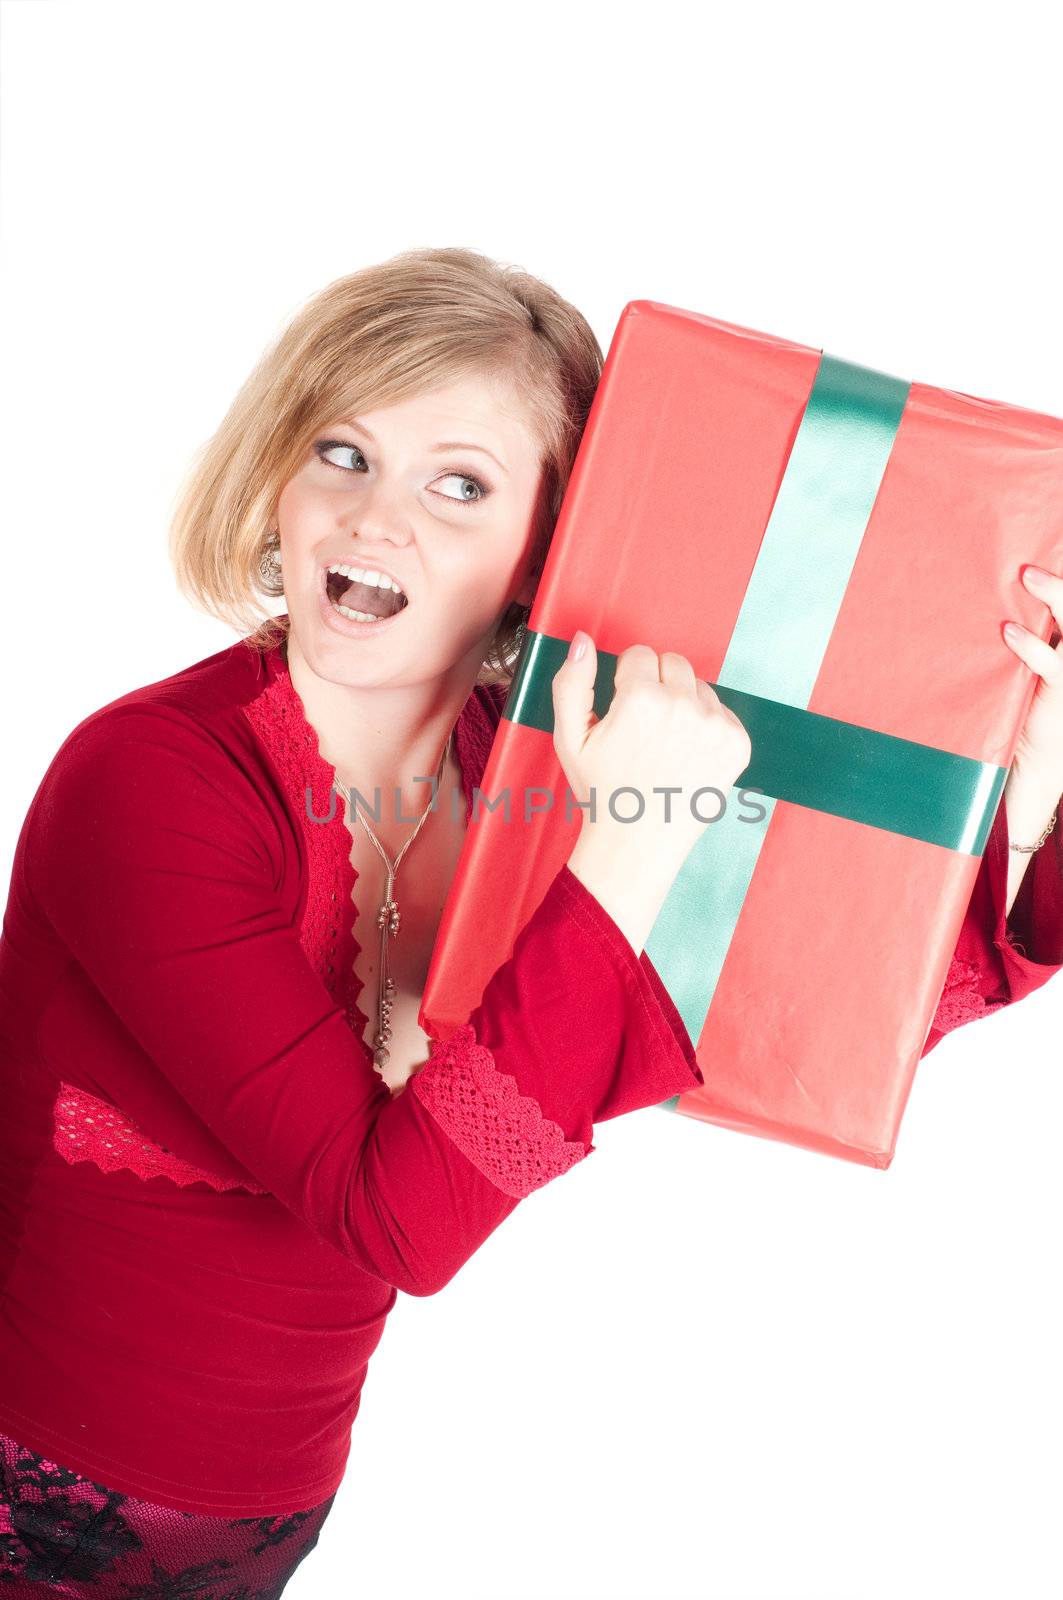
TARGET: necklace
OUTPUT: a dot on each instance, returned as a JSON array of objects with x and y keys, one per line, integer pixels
[{"x": 388, "y": 918}]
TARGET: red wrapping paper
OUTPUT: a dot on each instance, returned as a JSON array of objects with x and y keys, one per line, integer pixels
[{"x": 832, "y": 977}]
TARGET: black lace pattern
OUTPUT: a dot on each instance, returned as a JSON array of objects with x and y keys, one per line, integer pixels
[{"x": 64, "y": 1534}]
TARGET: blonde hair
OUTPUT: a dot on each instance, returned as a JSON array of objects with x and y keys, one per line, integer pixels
[{"x": 419, "y": 320}]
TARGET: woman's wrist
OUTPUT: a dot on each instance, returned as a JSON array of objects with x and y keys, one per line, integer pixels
[
  {"x": 1028, "y": 805},
  {"x": 630, "y": 886}
]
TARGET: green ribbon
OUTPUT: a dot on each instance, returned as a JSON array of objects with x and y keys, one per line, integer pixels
[
  {"x": 818, "y": 762},
  {"x": 780, "y": 637}
]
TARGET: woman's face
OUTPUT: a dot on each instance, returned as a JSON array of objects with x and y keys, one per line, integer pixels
[{"x": 439, "y": 491}]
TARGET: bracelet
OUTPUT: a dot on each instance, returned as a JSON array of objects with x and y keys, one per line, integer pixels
[{"x": 1027, "y": 848}]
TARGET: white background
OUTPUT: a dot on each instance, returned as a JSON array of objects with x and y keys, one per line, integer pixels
[{"x": 701, "y": 1364}]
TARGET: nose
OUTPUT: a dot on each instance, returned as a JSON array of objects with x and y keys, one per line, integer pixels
[{"x": 379, "y": 517}]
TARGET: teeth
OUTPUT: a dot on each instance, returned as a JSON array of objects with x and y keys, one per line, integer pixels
[
  {"x": 368, "y": 575},
  {"x": 359, "y": 616}
]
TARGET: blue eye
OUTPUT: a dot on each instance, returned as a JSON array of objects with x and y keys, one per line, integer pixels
[
  {"x": 323, "y": 446},
  {"x": 467, "y": 477}
]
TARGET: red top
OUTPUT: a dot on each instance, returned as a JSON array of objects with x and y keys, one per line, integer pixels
[{"x": 208, "y": 1198}]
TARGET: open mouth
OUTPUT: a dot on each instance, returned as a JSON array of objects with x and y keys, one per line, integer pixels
[{"x": 363, "y": 595}]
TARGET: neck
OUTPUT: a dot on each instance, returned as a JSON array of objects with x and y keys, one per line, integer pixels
[{"x": 385, "y": 739}]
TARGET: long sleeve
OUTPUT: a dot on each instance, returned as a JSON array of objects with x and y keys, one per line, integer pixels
[
  {"x": 154, "y": 861},
  {"x": 1000, "y": 959}
]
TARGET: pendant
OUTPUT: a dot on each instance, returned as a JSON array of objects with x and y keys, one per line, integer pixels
[{"x": 381, "y": 1053}]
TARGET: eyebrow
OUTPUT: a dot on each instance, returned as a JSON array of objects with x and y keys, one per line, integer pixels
[{"x": 446, "y": 444}]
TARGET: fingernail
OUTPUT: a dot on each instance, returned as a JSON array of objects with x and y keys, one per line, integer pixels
[
  {"x": 1013, "y": 630},
  {"x": 578, "y": 645},
  {"x": 1036, "y": 576}
]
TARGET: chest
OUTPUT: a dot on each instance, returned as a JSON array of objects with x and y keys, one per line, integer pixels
[{"x": 420, "y": 888}]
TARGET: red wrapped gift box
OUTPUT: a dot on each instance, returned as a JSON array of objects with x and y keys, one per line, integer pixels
[{"x": 835, "y": 550}]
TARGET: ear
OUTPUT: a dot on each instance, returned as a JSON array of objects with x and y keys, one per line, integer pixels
[{"x": 526, "y": 593}]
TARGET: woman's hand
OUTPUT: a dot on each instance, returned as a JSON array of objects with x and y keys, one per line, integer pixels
[{"x": 664, "y": 729}]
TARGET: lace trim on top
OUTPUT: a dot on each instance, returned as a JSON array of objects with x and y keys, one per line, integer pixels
[
  {"x": 475, "y": 733},
  {"x": 502, "y": 1132},
  {"x": 961, "y": 999},
  {"x": 329, "y": 914},
  {"x": 89, "y": 1129}
]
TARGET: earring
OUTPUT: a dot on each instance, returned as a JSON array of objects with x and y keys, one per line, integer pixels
[{"x": 270, "y": 562}]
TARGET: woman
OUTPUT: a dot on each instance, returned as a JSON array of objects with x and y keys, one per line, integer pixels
[{"x": 217, "y": 1168}]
